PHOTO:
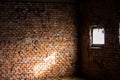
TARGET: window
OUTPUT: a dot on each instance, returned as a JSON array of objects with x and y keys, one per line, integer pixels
[{"x": 97, "y": 36}]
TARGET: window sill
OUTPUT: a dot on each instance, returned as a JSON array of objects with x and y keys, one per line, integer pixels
[{"x": 96, "y": 46}]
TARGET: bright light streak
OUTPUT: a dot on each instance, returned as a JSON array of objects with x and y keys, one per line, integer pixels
[{"x": 46, "y": 64}]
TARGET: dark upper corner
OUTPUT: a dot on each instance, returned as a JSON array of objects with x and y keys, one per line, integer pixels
[{"x": 66, "y": 1}]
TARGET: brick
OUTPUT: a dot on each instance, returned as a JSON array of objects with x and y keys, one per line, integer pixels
[{"x": 32, "y": 33}]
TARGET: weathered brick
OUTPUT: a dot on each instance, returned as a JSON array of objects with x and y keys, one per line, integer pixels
[{"x": 32, "y": 38}]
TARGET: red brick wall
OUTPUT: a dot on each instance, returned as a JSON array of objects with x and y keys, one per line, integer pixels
[
  {"x": 100, "y": 64},
  {"x": 37, "y": 40}
]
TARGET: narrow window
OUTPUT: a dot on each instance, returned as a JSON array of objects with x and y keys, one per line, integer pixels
[{"x": 97, "y": 36}]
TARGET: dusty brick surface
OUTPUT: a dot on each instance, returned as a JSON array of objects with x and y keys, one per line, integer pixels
[{"x": 37, "y": 40}]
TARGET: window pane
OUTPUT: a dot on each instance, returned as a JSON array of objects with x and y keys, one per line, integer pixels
[{"x": 98, "y": 35}]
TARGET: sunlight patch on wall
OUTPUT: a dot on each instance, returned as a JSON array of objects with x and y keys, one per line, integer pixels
[{"x": 46, "y": 64}]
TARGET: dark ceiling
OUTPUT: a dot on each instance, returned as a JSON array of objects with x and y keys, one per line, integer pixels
[{"x": 71, "y": 1}]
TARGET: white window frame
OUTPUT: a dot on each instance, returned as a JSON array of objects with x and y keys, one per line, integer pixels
[{"x": 91, "y": 36}]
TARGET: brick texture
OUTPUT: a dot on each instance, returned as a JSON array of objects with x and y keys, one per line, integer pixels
[
  {"x": 37, "y": 40},
  {"x": 104, "y": 63}
]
